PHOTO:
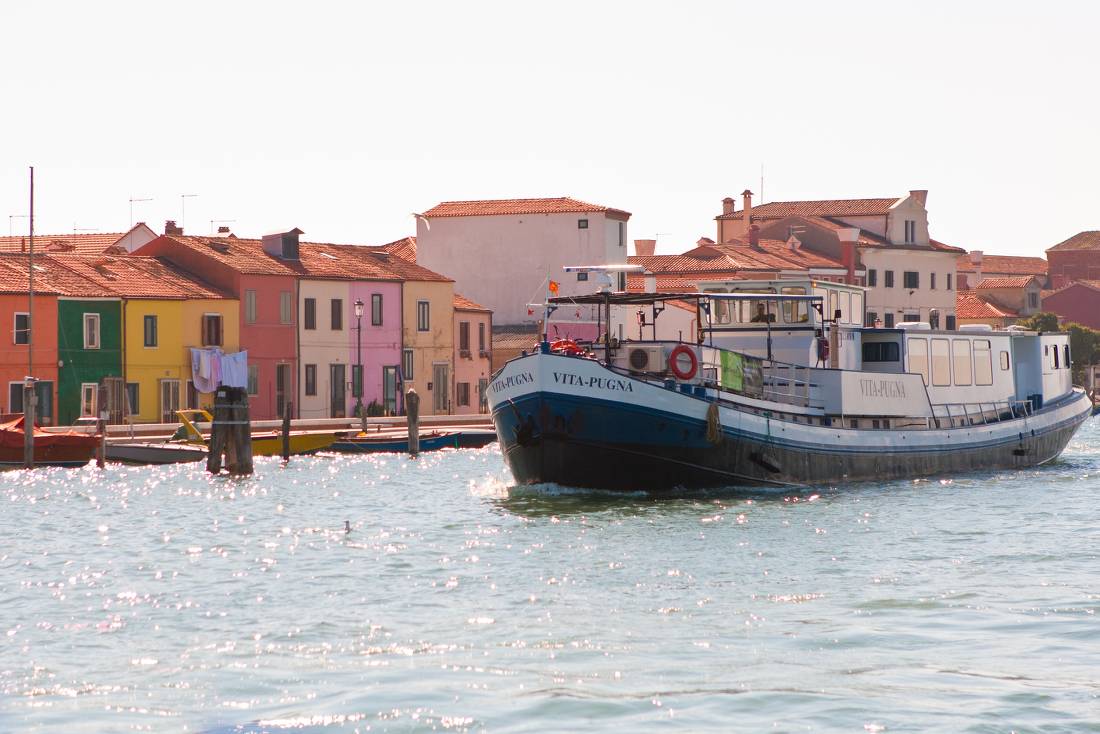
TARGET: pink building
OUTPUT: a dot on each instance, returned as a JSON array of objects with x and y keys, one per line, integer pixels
[
  {"x": 473, "y": 355},
  {"x": 265, "y": 282}
]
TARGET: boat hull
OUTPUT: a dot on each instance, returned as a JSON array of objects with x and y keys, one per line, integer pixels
[
  {"x": 300, "y": 443},
  {"x": 589, "y": 430},
  {"x": 154, "y": 453}
]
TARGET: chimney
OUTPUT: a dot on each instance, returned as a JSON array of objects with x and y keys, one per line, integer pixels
[
  {"x": 283, "y": 245},
  {"x": 754, "y": 237},
  {"x": 976, "y": 261},
  {"x": 224, "y": 230},
  {"x": 171, "y": 228},
  {"x": 848, "y": 237},
  {"x": 645, "y": 247},
  {"x": 920, "y": 195},
  {"x": 650, "y": 282},
  {"x": 746, "y": 207},
  {"x": 727, "y": 205}
]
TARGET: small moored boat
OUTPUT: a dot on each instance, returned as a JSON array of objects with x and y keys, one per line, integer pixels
[
  {"x": 264, "y": 443},
  {"x": 67, "y": 448},
  {"x": 154, "y": 453}
]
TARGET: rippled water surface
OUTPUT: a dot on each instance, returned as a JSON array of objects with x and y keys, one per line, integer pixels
[{"x": 160, "y": 599}]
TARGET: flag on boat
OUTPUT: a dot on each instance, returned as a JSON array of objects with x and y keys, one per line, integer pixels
[{"x": 554, "y": 287}]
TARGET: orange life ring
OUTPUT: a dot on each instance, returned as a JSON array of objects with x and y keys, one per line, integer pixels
[{"x": 674, "y": 363}]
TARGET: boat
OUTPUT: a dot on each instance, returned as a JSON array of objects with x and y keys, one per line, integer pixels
[
  {"x": 804, "y": 396},
  {"x": 264, "y": 443},
  {"x": 164, "y": 452},
  {"x": 68, "y": 448},
  {"x": 468, "y": 438}
]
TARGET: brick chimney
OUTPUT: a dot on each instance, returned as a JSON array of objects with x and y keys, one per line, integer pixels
[
  {"x": 754, "y": 237},
  {"x": 746, "y": 208},
  {"x": 848, "y": 237},
  {"x": 976, "y": 261},
  {"x": 171, "y": 228},
  {"x": 727, "y": 205},
  {"x": 645, "y": 247}
]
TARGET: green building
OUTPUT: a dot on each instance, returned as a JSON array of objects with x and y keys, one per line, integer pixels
[{"x": 89, "y": 349}]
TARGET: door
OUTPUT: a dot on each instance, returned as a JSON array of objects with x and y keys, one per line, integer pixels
[
  {"x": 482, "y": 400},
  {"x": 282, "y": 388},
  {"x": 389, "y": 389},
  {"x": 337, "y": 391},
  {"x": 169, "y": 400},
  {"x": 115, "y": 403},
  {"x": 43, "y": 412},
  {"x": 441, "y": 381}
]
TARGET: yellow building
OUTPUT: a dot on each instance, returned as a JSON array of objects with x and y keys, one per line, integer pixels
[{"x": 165, "y": 312}]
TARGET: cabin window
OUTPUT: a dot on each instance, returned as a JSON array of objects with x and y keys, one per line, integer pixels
[
  {"x": 91, "y": 331},
  {"x": 1004, "y": 361},
  {"x": 983, "y": 362},
  {"x": 212, "y": 330},
  {"x": 941, "y": 362},
  {"x": 1065, "y": 353},
  {"x": 311, "y": 379},
  {"x": 834, "y": 304},
  {"x": 762, "y": 312},
  {"x": 309, "y": 314},
  {"x": 911, "y": 279},
  {"x": 22, "y": 329},
  {"x": 375, "y": 309},
  {"x": 857, "y": 308},
  {"x": 917, "y": 350},
  {"x": 1054, "y": 357},
  {"x": 962, "y": 362},
  {"x": 795, "y": 312},
  {"x": 149, "y": 324},
  {"x": 881, "y": 352},
  {"x": 846, "y": 307},
  {"x": 250, "y": 307}
]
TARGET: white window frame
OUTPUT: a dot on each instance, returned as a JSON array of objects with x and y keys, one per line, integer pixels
[
  {"x": 286, "y": 307},
  {"x": 15, "y": 328},
  {"x": 93, "y": 318},
  {"x": 156, "y": 331},
  {"x": 85, "y": 388}
]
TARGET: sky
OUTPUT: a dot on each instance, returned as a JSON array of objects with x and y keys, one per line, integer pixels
[{"x": 344, "y": 118}]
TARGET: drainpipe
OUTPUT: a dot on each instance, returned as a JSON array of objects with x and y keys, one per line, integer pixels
[{"x": 125, "y": 392}]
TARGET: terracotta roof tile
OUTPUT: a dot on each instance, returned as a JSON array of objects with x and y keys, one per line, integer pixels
[
  {"x": 133, "y": 276},
  {"x": 1088, "y": 240},
  {"x": 665, "y": 283},
  {"x": 84, "y": 244},
  {"x": 462, "y": 303},
  {"x": 817, "y": 208},
  {"x": 1014, "y": 281},
  {"x": 241, "y": 255},
  {"x": 1004, "y": 265},
  {"x": 970, "y": 306},
  {"x": 492, "y": 207},
  {"x": 404, "y": 248}
]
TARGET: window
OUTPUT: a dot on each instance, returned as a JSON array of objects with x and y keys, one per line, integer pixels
[
  {"x": 834, "y": 304},
  {"x": 983, "y": 362},
  {"x": 934, "y": 318},
  {"x": 582, "y": 224},
  {"x": 582, "y": 276},
  {"x": 1054, "y": 358},
  {"x": 872, "y": 317},
  {"x": 888, "y": 278},
  {"x": 872, "y": 278},
  {"x": 1065, "y": 354},
  {"x": 311, "y": 379},
  {"x": 337, "y": 307},
  {"x": 250, "y": 307},
  {"x": 932, "y": 281},
  {"x": 15, "y": 397},
  {"x": 917, "y": 350},
  {"x": 911, "y": 317},
  {"x": 21, "y": 333},
  {"x": 91, "y": 331},
  {"x": 889, "y": 320},
  {"x": 133, "y": 407},
  {"x": 881, "y": 352},
  {"x": 253, "y": 379},
  {"x": 212, "y": 330},
  {"x": 795, "y": 312},
  {"x": 910, "y": 231},
  {"x": 88, "y": 392},
  {"x": 150, "y": 330},
  {"x": 407, "y": 365},
  {"x": 1033, "y": 300},
  {"x": 950, "y": 322},
  {"x": 1004, "y": 361},
  {"x": 462, "y": 393},
  {"x": 911, "y": 279},
  {"x": 963, "y": 367},
  {"x": 423, "y": 316},
  {"x": 286, "y": 307},
  {"x": 376, "y": 309},
  {"x": 622, "y": 238},
  {"x": 309, "y": 314},
  {"x": 464, "y": 337},
  {"x": 949, "y": 281},
  {"x": 941, "y": 362},
  {"x": 481, "y": 336},
  {"x": 356, "y": 381}
]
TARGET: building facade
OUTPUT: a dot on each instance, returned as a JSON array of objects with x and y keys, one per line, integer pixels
[
  {"x": 1077, "y": 258},
  {"x": 473, "y": 333}
]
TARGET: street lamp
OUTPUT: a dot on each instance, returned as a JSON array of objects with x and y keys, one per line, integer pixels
[{"x": 359, "y": 358}]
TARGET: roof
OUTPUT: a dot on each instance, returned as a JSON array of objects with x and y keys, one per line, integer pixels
[
  {"x": 770, "y": 255},
  {"x": 820, "y": 208},
  {"x": 86, "y": 244},
  {"x": 1091, "y": 284},
  {"x": 133, "y": 276},
  {"x": 244, "y": 256},
  {"x": 1015, "y": 281},
  {"x": 404, "y": 248},
  {"x": 462, "y": 303},
  {"x": 402, "y": 268},
  {"x": 1004, "y": 264},
  {"x": 666, "y": 283},
  {"x": 1088, "y": 240},
  {"x": 495, "y": 207},
  {"x": 968, "y": 305}
]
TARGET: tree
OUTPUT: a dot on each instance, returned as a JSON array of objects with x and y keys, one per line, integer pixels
[
  {"x": 1044, "y": 321},
  {"x": 1084, "y": 343}
]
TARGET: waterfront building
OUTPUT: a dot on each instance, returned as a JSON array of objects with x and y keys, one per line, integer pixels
[
  {"x": 972, "y": 308},
  {"x": 1077, "y": 258},
  {"x": 976, "y": 265},
  {"x": 909, "y": 276},
  {"x": 15, "y": 313},
  {"x": 1078, "y": 302},
  {"x": 502, "y": 252},
  {"x": 1019, "y": 294},
  {"x": 473, "y": 329}
]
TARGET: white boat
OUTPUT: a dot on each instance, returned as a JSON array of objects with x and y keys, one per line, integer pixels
[
  {"x": 793, "y": 398},
  {"x": 154, "y": 453}
]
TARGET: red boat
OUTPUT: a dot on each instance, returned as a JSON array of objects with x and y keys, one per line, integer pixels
[{"x": 50, "y": 449}]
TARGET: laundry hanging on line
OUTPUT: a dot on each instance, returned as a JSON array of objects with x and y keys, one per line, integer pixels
[{"x": 213, "y": 367}]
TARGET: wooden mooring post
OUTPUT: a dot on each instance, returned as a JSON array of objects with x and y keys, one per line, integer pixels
[
  {"x": 286, "y": 431},
  {"x": 231, "y": 433},
  {"x": 29, "y": 399},
  {"x": 412, "y": 415},
  {"x": 101, "y": 427}
]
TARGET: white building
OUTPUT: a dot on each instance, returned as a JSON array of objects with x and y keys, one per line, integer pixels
[{"x": 501, "y": 253}]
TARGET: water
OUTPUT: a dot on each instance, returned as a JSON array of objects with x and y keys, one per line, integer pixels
[{"x": 148, "y": 599}]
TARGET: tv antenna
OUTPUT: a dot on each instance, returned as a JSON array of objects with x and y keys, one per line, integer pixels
[
  {"x": 219, "y": 221},
  {"x": 183, "y": 209},
  {"x": 132, "y": 200}
]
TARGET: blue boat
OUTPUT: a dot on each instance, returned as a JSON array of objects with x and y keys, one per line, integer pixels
[{"x": 470, "y": 438}]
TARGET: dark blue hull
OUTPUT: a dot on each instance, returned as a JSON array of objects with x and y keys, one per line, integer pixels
[{"x": 471, "y": 439}]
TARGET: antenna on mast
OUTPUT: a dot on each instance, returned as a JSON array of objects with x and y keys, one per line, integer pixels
[
  {"x": 132, "y": 200},
  {"x": 183, "y": 209},
  {"x": 219, "y": 221}
]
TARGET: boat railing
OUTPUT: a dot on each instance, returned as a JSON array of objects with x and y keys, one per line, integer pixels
[{"x": 955, "y": 415}]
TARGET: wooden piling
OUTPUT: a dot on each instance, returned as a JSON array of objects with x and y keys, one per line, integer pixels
[
  {"x": 28, "y": 423},
  {"x": 412, "y": 415},
  {"x": 231, "y": 433},
  {"x": 286, "y": 432},
  {"x": 101, "y": 427}
]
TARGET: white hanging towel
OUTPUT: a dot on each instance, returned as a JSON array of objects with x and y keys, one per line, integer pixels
[
  {"x": 234, "y": 372},
  {"x": 201, "y": 372}
]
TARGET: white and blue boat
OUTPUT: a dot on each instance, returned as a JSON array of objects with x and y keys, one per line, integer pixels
[{"x": 779, "y": 387}]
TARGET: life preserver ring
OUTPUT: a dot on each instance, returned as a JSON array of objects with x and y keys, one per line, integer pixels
[
  {"x": 674, "y": 362},
  {"x": 566, "y": 346}
]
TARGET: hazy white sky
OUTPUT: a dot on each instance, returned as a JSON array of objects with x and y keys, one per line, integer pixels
[{"x": 343, "y": 118}]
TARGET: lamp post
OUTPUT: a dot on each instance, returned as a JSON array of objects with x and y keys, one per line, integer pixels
[{"x": 359, "y": 359}]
